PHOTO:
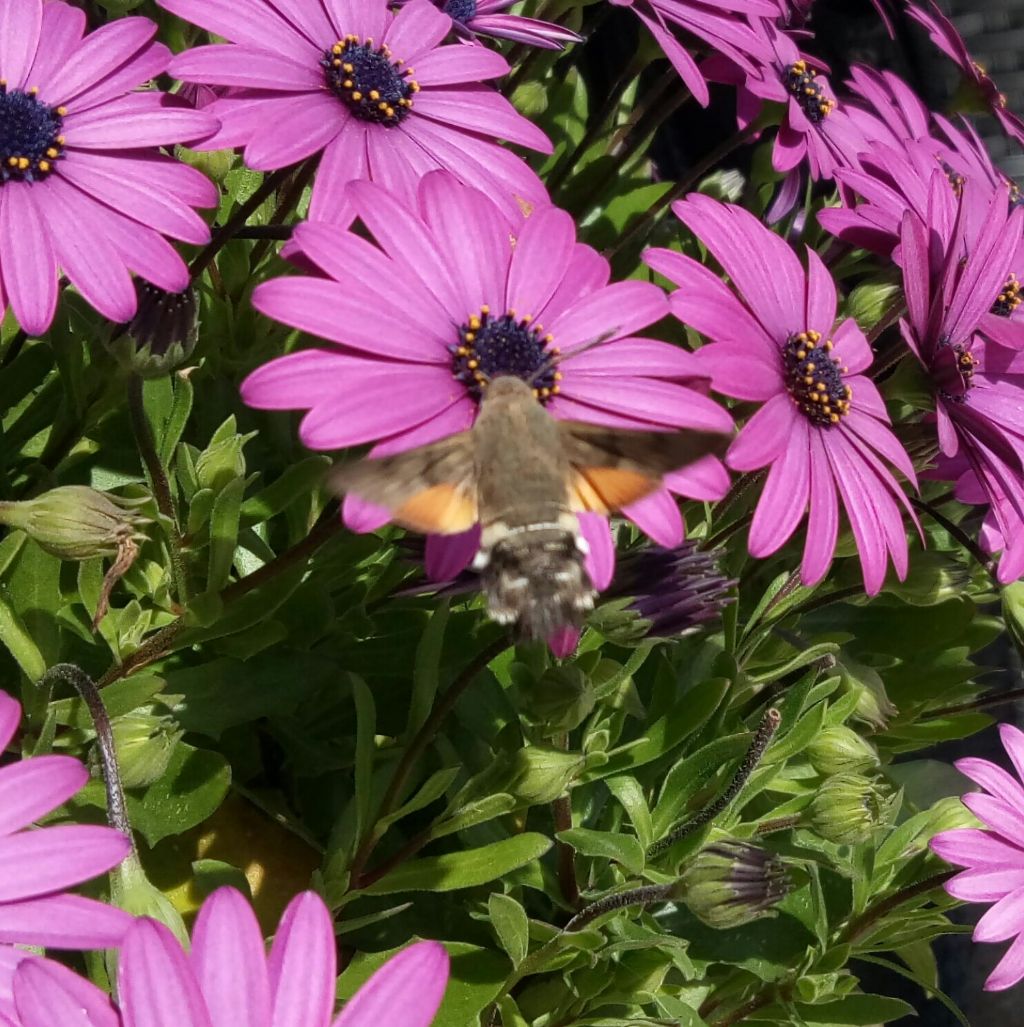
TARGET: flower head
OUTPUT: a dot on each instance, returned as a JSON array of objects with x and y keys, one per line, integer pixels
[
  {"x": 84, "y": 191},
  {"x": 993, "y": 857},
  {"x": 38, "y": 864},
  {"x": 822, "y": 430},
  {"x": 375, "y": 92},
  {"x": 229, "y": 979},
  {"x": 453, "y": 295}
]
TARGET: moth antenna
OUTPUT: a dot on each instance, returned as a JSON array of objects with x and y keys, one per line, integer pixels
[{"x": 556, "y": 358}]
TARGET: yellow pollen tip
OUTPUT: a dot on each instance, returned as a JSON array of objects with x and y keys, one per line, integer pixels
[
  {"x": 62, "y": 111},
  {"x": 549, "y": 338},
  {"x": 44, "y": 166},
  {"x": 485, "y": 309},
  {"x": 555, "y": 389},
  {"x": 23, "y": 163},
  {"x": 810, "y": 366},
  {"x": 356, "y": 95},
  {"x": 348, "y": 67},
  {"x": 374, "y": 95},
  {"x": 473, "y": 364},
  {"x": 557, "y": 376},
  {"x": 337, "y": 48}
]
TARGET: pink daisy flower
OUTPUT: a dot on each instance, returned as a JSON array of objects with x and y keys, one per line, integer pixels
[
  {"x": 979, "y": 386},
  {"x": 228, "y": 979},
  {"x": 400, "y": 373},
  {"x": 822, "y": 430},
  {"x": 721, "y": 24},
  {"x": 944, "y": 35},
  {"x": 375, "y": 92},
  {"x": 84, "y": 191},
  {"x": 38, "y": 864},
  {"x": 993, "y": 858},
  {"x": 472, "y": 18}
]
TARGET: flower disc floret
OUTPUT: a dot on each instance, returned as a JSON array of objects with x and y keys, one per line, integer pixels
[
  {"x": 490, "y": 346},
  {"x": 800, "y": 82},
  {"x": 815, "y": 378},
  {"x": 369, "y": 80},
  {"x": 1009, "y": 297},
  {"x": 460, "y": 10},
  {"x": 31, "y": 135}
]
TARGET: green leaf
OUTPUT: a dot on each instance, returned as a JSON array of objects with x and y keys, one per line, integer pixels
[
  {"x": 17, "y": 640},
  {"x": 224, "y": 523},
  {"x": 177, "y": 418},
  {"x": 856, "y": 1010},
  {"x": 366, "y": 730},
  {"x": 427, "y": 669},
  {"x": 464, "y": 869},
  {"x": 629, "y": 793},
  {"x": 119, "y": 698},
  {"x": 622, "y": 848},
  {"x": 297, "y": 482},
  {"x": 508, "y": 918}
]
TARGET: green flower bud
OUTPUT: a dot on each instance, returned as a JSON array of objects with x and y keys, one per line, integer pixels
[
  {"x": 729, "y": 884},
  {"x": 848, "y": 807},
  {"x": 163, "y": 333},
  {"x": 75, "y": 522},
  {"x": 873, "y": 705},
  {"x": 533, "y": 774},
  {"x": 840, "y": 750},
  {"x": 145, "y": 744},
  {"x": 131, "y": 890}
]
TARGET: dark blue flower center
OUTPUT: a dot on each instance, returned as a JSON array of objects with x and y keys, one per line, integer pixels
[
  {"x": 953, "y": 370},
  {"x": 799, "y": 79},
  {"x": 30, "y": 136},
  {"x": 1009, "y": 298},
  {"x": 460, "y": 10},
  {"x": 492, "y": 346},
  {"x": 815, "y": 379},
  {"x": 369, "y": 80}
]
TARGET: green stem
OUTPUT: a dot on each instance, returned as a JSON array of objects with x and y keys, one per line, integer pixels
[
  {"x": 158, "y": 482},
  {"x": 859, "y": 926},
  {"x": 288, "y": 202},
  {"x": 561, "y": 814},
  {"x": 972, "y": 547},
  {"x": 981, "y": 703}
]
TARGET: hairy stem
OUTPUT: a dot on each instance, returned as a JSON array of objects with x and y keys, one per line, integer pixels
[
  {"x": 643, "y": 896},
  {"x": 981, "y": 703}
]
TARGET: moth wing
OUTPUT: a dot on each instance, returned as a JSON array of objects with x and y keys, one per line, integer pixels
[
  {"x": 431, "y": 489},
  {"x": 613, "y": 467}
]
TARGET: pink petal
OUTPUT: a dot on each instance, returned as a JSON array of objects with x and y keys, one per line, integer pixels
[
  {"x": 1013, "y": 742},
  {"x": 648, "y": 358},
  {"x": 648, "y": 400},
  {"x": 34, "y": 787},
  {"x": 763, "y": 438},
  {"x": 543, "y": 250},
  {"x": 783, "y": 500},
  {"x": 63, "y": 27},
  {"x": 20, "y": 21},
  {"x": 483, "y": 110},
  {"x": 852, "y": 347},
  {"x": 621, "y": 309},
  {"x": 600, "y": 560},
  {"x": 985, "y": 885},
  {"x": 448, "y": 555},
  {"x": 1010, "y": 969},
  {"x": 406, "y": 990},
  {"x": 361, "y": 516},
  {"x": 302, "y": 964},
  {"x": 30, "y": 267},
  {"x": 63, "y": 922},
  {"x": 993, "y": 779},
  {"x": 10, "y": 718},
  {"x": 229, "y": 961},
  {"x": 43, "y": 998},
  {"x": 999, "y": 816},
  {"x": 972, "y": 847},
  {"x": 450, "y": 65},
  {"x": 563, "y": 643},
  {"x": 658, "y": 517},
  {"x": 157, "y": 987},
  {"x": 823, "y": 519},
  {"x": 1004, "y": 920},
  {"x": 309, "y": 122},
  {"x": 418, "y": 27},
  {"x": 821, "y": 295},
  {"x": 343, "y": 161},
  {"x": 246, "y": 67},
  {"x": 99, "y": 56}
]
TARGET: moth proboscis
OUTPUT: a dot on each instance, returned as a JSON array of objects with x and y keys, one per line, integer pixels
[{"x": 525, "y": 476}]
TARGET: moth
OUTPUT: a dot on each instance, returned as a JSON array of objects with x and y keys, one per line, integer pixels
[{"x": 524, "y": 476}]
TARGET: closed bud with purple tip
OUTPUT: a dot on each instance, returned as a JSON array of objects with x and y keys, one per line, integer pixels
[
  {"x": 163, "y": 333},
  {"x": 732, "y": 883}
]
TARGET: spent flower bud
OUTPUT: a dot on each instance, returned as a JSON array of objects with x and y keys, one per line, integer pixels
[
  {"x": 730, "y": 883},
  {"x": 163, "y": 333},
  {"x": 849, "y": 807},
  {"x": 840, "y": 750},
  {"x": 75, "y": 522}
]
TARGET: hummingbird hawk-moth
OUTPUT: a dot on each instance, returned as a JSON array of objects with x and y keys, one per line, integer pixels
[{"x": 524, "y": 476}]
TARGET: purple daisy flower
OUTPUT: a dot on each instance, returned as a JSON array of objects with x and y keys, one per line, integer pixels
[
  {"x": 84, "y": 191},
  {"x": 979, "y": 387},
  {"x": 721, "y": 24},
  {"x": 944, "y": 35},
  {"x": 994, "y": 857},
  {"x": 401, "y": 373},
  {"x": 472, "y": 18},
  {"x": 38, "y": 864},
  {"x": 228, "y": 978},
  {"x": 374, "y": 91},
  {"x": 823, "y": 430}
]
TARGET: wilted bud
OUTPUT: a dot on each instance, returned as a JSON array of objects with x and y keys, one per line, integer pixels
[
  {"x": 163, "y": 333},
  {"x": 848, "y": 807},
  {"x": 729, "y": 884},
  {"x": 666, "y": 592},
  {"x": 558, "y": 700},
  {"x": 873, "y": 705},
  {"x": 75, "y": 522},
  {"x": 840, "y": 750},
  {"x": 144, "y": 744}
]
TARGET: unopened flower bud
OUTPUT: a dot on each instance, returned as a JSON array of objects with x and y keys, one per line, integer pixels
[
  {"x": 144, "y": 743},
  {"x": 533, "y": 775},
  {"x": 848, "y": 807},
  {"x": 840, "y": 750},
  {"x": 75, "y": 522},
  {"x": 163, "y": 333},
  {"x": 729, "y": 884},
  {"x": 873, "y": 706},
  {"x": 133, "y": 892}
]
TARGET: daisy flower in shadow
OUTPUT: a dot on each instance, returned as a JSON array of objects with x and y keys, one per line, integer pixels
[
  {"x": 375, "y": 92},
  {"x": 228, "y": 979},
  {"x": 993, "y": 857},
  {"x": 451, "y": 296},
  {"x": 38, "y": 864},
  {"x": 822, "y": 430},
  {"x": 472, "y": 18},
  {"x": 84, "y": 191}
]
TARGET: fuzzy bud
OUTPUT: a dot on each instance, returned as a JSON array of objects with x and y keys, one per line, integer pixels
[
  {"x": 848, "y": 808},
  {"x": 75, "y": 522},
  {"x": 729, "y": 884},
  {"x": 840, "y": 750}
]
